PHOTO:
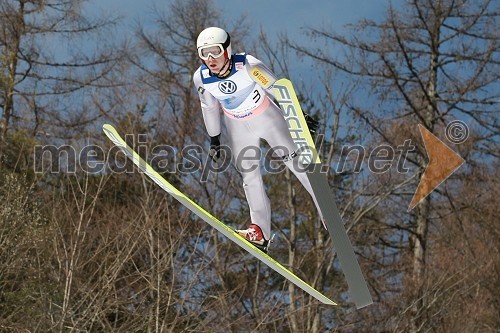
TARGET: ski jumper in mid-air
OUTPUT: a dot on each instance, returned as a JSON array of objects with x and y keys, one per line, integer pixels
[{"x": 224, "y": 82}]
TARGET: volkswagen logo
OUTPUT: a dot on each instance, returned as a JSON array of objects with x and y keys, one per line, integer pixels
[{"x": 227, "y": 87}]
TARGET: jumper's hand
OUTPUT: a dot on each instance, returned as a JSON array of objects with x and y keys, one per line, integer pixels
[
  {"x": 214, "y": 151},
  {"x": 312, "y": 124}
]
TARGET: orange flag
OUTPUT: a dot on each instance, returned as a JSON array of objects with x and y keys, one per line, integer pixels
[{"x": 442, "y": 163}]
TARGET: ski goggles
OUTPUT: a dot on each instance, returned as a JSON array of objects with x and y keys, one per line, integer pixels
[{"x": 214, "y": 51}]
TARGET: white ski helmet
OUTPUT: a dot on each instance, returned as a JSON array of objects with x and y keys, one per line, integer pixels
[{"x": 213, "y": 42}]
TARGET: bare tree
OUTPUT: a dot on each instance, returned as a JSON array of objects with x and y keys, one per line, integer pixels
[
  {"x": 21, "y": 228},
  {"x": 44, "y": 63},
  {"x": 428, "y": 62},
  {"x": 111, "y": 252}
]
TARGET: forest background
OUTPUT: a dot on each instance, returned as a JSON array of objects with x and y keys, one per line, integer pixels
[{"x": 88, "y": 244}]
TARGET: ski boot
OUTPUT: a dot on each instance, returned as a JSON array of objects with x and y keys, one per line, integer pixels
[{"x": 255, "y": 236}]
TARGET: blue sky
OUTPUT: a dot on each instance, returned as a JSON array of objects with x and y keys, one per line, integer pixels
[
  {"x": 273, "y": 17},
  {"x": 289, "y": 16}
]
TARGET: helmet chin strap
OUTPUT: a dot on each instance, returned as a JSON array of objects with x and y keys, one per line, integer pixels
[{"x": 227, "y": 71}]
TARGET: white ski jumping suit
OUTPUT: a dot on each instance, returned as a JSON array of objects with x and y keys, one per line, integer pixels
[{"x": 249, "y": 116}]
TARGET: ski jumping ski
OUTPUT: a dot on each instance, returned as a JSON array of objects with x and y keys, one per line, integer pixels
[
  {"x": 289, "y": 104},
  {"x": 113, "y": 135}
]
